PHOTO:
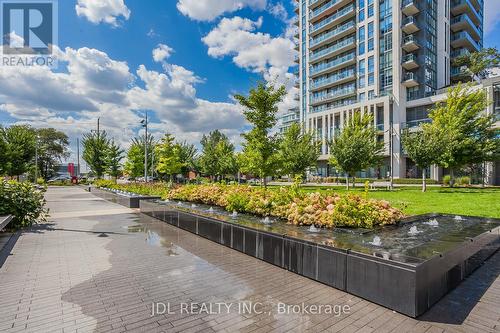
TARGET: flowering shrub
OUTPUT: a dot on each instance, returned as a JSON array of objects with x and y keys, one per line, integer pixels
[
  {"x": 287, "y": 203},
  {"x": 23, "y": 201},
  {"x": 327, "y": 211},
  {"x": 152, "y": 189}
]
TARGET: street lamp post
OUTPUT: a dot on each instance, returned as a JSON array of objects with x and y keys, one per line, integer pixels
[{"x": 144, "y": 123}]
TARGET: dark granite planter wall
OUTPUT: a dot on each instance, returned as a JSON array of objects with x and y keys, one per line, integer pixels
[
  {"x": 410, "y": 289},
  {"x": 130, "y": 202}
]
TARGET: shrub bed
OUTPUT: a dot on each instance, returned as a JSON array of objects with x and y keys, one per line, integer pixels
[
  {"x": 287, "y": 203},
  {"x": 24, "y": 201},
  {"x": 321, "y": 210}
]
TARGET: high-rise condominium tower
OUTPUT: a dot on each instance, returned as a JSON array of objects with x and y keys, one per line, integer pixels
[{"x": 386, "y": 57}]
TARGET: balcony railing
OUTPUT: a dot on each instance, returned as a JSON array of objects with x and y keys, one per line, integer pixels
[
  {"x": 333, "y": 78},
  {"x": 478, "y": 14},
  {"x": 339, "y": 13},
  {"x": 335, "y": 47},
  {"x": 459, "y": 53},
  {"x": 465, "y": 35},
  {"x": 410, "y": 57},
  {"x": 321, "y": 9},
  {"x": 338, "y": 61},
  {"x": 334, "y": 94},
  {"x": 466, "y": 19},
  {"x": 334, "y": 32}
]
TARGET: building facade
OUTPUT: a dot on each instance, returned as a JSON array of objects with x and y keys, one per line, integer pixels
[{"x": 380, "y": 57}]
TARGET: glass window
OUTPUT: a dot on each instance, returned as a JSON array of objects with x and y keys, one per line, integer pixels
[
  {"x": 370, "y": 8},
  {"x": 361, "y": 38},
  {"x": 371, "y": 79},
  {"x": 361, "y": 15},
  {"x": 370, "y": 36},
  {"x": 371, "y": 65},
  {"x": 371, "y": 94},
  {"x": 362, "y": 81},
  {"x": 362, "y": 97},
  {"x": 362, "y": 67}
]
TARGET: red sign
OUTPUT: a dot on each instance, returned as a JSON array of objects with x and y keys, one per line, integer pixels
[{"x": 71, "y": 169}]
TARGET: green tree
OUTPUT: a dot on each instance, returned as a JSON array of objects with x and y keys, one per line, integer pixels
[
  {"x": 478, "y": 64},
  {"x": 3, "y": 152},
  {"x": 187, "y": 156},
  {"x": 168, "y": 154},
  {"x": 299, "y": 151},
  {"x": 217, "y": 158},
  {"x": 134, "y": 165},
  {"x": 422, "y": 148},
  {"x": 95, "y": 150},
  {"x": 260, "y": 149},
  {"x": 113, "y": 160},
  {"x": 463, "y": 129},
  {"x": 53, "y": 147},
  {"x": 356, "y": 147},
  {"x": 20, "y": 142}
]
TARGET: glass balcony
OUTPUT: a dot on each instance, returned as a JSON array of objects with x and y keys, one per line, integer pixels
[
  {"x": 339, "y": 93},
  {"x": 410, "y": 25},
  {"x": 334, "y": 18},
  {"x": 322, "y": 67},
  {"x": 410, "y": 62},
  {"x": 333, "y": 79},
  {"x": 410, "y": 43},
  {"x": 323, "y": 10},
  {"x": 463, "y": 22},
  {"x": 409, "y": 7},
  {"x": 410, "y": 80},
  {"x": 459, "y": 53},
  {"x": 465, "y": 6},
  {"x": 335, "y": 48},
  {"x": 337, "y": 32},
  {"x": 464, "y": 39}
]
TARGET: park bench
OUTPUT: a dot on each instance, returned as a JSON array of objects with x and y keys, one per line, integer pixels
[
  {"x": 380, "y": 184},
  {"x": 4, "y": 220}
]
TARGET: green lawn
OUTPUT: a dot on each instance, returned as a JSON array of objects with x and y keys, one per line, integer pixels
[{"x": 459, "y": 201}]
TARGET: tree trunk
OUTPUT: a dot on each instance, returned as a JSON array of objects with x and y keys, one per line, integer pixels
[
  {"x": 347, "y": 181},
  {"x": 353, "y": 182},
  {"x": 424, "y": 183},
  {"x": 452, "y": 178}
]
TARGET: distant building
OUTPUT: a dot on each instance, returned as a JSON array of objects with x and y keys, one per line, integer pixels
[{"x": 289, "y": 118}]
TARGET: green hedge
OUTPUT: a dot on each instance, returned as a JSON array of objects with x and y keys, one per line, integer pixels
[{"x": 24, "y": 201}]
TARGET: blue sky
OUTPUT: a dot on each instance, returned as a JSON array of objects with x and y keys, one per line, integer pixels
[{"x": 206, "y": 50}]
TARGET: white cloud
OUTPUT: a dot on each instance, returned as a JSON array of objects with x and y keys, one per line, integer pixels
[
  {"x": 251, "y": 50},
  {"x": 93, "y": 85},
  {"x": 103, "y": 11},
  {"x": 162, "y": 52},
  {"x": 208, "y": 10},
  {"x": 491, "y": 15},
  {"x": 255, "y": 51},
  {"x": 278, "y": 10}
]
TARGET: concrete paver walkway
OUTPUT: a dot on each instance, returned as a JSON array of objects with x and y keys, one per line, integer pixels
[{"x": 97, "y": 266}]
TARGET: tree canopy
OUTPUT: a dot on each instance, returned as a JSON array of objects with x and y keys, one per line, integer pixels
[
  {"x": 95, "y": 150},
  {"x": 260, "y": 149},
  {"x": 168, "y": 155},
  {"x": 114, "y": 157},
  {"x": 20, "y": 145},
  {"x": 53, "y": 147},
  {"x": 298, "y": 151},
  {"x": 423, "y": 148},
  {"x": 356, "y": 147},
  {"x": 463, "y": 129},
  {"x": 478, "y": 64},
  {"x": 217, "y": 158}
]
